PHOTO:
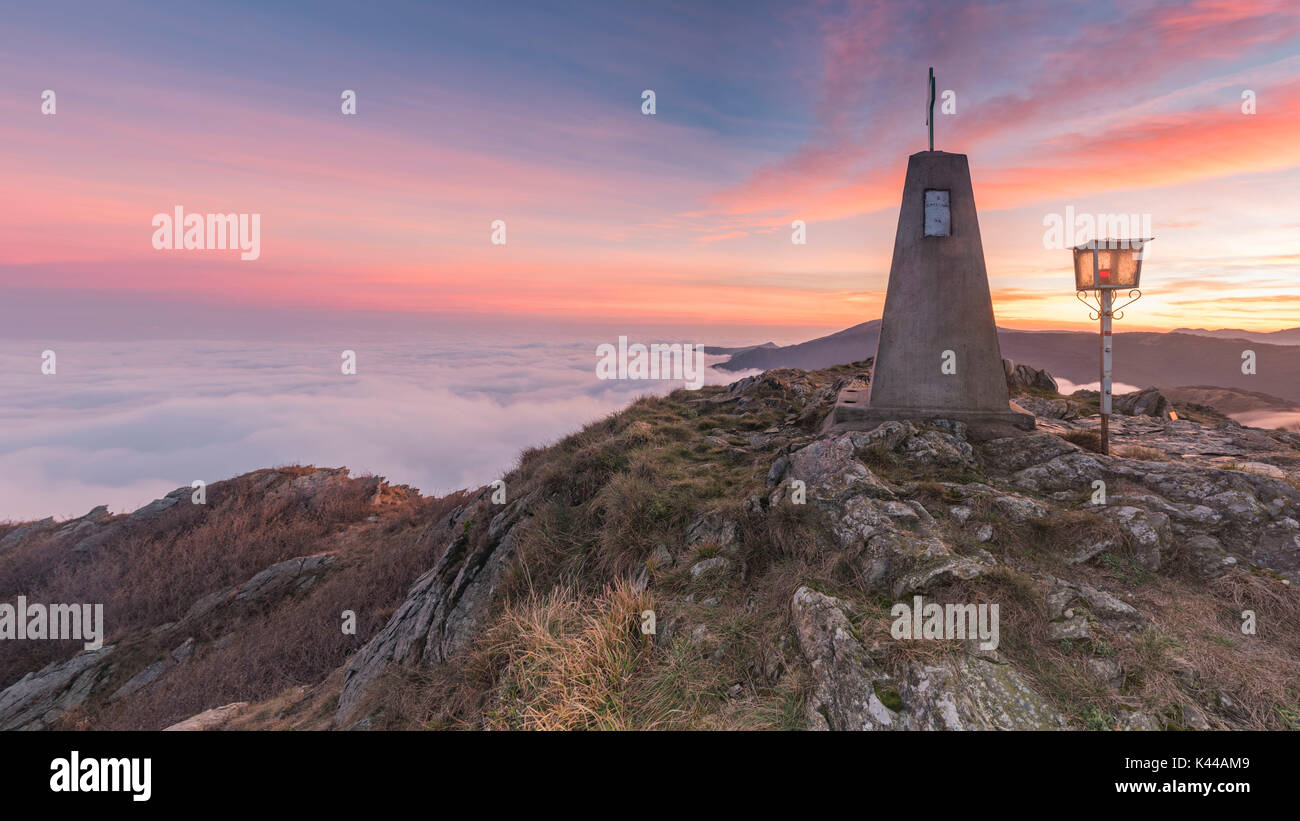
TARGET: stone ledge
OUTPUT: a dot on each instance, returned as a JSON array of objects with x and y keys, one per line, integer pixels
[{"x": 853, "y": 413}]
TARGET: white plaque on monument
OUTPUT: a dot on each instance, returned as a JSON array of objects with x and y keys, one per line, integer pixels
[{"x": 937, "y": 221}]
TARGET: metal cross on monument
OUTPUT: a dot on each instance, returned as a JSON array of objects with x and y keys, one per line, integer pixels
[{"x": 929, "y": 114}]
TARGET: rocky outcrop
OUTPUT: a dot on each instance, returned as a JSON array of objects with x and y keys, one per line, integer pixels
[
  {"x": 1022, "y": 377},
  {"x": 16, "y": 535},
  {"x": 1146, "y": 402},
  {"x": 213, "y": 719},
  {"x": 895, "y": 545},
  {"x": 38, "y": 700},
  {"x": 157, "y": 507},
  {"x": 277, "y": 580}
]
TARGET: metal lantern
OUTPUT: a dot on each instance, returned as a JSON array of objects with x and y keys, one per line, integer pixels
[{"x": 1106, "y": 266}]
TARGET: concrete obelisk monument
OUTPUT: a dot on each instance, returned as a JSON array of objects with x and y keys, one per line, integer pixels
[{"x": 937, "y": 356}]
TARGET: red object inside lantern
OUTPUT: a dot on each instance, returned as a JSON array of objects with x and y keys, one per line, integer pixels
[{"x": 1103, "y": 275}]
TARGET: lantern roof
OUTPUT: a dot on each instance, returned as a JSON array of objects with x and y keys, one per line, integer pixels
[{"x": 1112, "y": 244}]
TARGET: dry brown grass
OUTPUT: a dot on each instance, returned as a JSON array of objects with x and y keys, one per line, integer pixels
[
  {"x": 1086, "y": 439},
  {"x": 158, "y": 569},
  {"x": 1142, "y": 453},
  {"x": 571, "y": 662}
]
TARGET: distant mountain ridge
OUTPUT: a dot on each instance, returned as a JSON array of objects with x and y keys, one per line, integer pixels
[
  {"x": 1141, "y": 358},
  {"x": 1286, "y": 336}
]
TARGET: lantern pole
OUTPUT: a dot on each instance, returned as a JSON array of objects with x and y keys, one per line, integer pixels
[
  {"x": 1106, "y": 311},
  {"x": 1105, "y": 370}
]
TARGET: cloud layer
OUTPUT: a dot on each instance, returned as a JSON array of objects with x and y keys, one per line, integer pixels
[{"x": 123, "y": 423}]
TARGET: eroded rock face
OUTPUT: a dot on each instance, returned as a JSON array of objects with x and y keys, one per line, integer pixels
[
  {"x": 157, "y": 507},
  {"x": 1050, "y": 408},
  {"x": 18, "y": 534},
  {"x": 832, "y": 472},
  {"x": 445, "y": 608}
]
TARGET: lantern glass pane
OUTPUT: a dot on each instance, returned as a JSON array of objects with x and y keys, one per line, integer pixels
[{"x": 1115, "y": 267}]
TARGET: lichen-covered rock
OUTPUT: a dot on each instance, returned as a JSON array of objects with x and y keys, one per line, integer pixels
[
  {"x": 849, "y": 692},
  {"x": 843, "y": 693},
  {"x": 941, "y": 446},
  {"x": 1069, "y": 601},
  {"x": 831, "y": 471},
  {"x": 1070, "y": 472},
  {"x": 1147, "y": 533},
  {"x": 974, "y": 693}
]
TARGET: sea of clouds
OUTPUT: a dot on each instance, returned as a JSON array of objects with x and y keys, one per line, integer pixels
[{"x": 124, "y": 422}]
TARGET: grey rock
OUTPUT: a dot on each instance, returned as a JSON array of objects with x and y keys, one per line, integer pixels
[
  {"x": 1136, "y": 721},
  {"x": 1146, "y": 402},
  {"x": 1020, "y": 377},
  {"x": 777, "y": 471},
  {"x": 717, "y": 563},
  {"x": 982, "y": 532},
  {"x": 1016, "y": 453},
  {"x": 974, "y": 693},
  {"x": 713, "y": 529},
  {"x": 38, "y": 699},
  {"x": 142, "y": 679},
  {"x": 1068, "y": 601},
  {"x": 445, "y": 607},
  {"x": 156, "y": 508},
  {"x": 184, "y": 651},
  {"x": 1018, "y": 508},
  {"x": 283, "y": 576},
  {"x": 213, "y": 719},
  {"x": 843, "y": 692},
  {"x": 832, "y": 471},
  {"x": 1148, "y": 534},
  {"x": 15, "y": 536},
  {"x": 1205, "y": 556},
  {"x": 1073, "y": 472},
  {"x": 1106, "y": 671},
  {"x": 967, "y": 693}
]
